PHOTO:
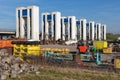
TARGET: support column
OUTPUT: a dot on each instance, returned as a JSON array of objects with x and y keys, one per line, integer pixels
[
  {"x": 83, "y": 29},
  {"x": 80, "y": 32},
  {"x": 52, "y": 27},
  {"x": 98, "y": 26},
  {"x": 89, "y": 32},
  {"x": 96, "y": 32},
  {"x": 22, "y": 31},
  {"x": 17, "y": 24},
  {"x": 28, "y": 23},
  {"x": 46, "y": 27},
  {"x": 63, "y": 28},
  {"x": 104, "y": 31},
  {"x": 93, "y": 31}
]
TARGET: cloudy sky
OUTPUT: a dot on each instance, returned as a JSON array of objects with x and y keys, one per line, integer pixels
[{"x": 103, "y": 11}]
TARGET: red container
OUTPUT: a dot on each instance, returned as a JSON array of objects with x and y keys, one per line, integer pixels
[{"x": 82, "y": 48}]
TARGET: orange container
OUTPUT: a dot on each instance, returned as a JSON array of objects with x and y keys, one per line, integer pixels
[
  {"x": 8, "y": 43},
  {"x": 2, "y": 42},
  {"x": 82, "y": 48},
  {"x": 5, "y": 43}
]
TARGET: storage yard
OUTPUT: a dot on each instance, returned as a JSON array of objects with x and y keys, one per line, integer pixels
[
  {"x": 21, "y": 56},
  {"x": 66, "y": 48}
]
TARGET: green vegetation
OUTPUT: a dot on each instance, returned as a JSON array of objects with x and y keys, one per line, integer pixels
[
  {"x": 112, "y": 37},
  {"x": 56, "y": 73}
]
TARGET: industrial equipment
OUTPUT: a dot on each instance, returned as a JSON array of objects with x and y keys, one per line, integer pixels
[
  {"x": 58, "y": 56},
  {"x": 87, "y": 53},
  {"x": 91, "y": 57}
]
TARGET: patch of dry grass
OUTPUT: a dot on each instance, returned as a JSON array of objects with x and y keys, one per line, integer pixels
[{"x": 57, "y": 73}]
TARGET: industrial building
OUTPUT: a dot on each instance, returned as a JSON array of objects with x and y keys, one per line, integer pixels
[
  {"x": 51, "y": 26},
  {"x": 68, "y": 29},
  {"x": 55, "y": 27},
  {"x": 27, "y": 22}
]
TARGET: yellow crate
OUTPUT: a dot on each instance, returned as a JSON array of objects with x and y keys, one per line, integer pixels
[
  {"x": 107, "y": 50},
  {"x": 23, "y": 51},
  {"x": 26, "y": 49},
  {"x": 37, "y": 45},
  {"x": 66, "y": 51},
  {"x": 32, "y": 52},
  {"x": 35, "y": 54},
  {"x": 117, "y": 62},
  {"x": 16, "y": 45},
  {"x": 100, "y": 44},
  {"x": 21, "y": 58},
  {"x": 58, "y": 50},
  {"x": 33, "y": 48},
  {"x": 16, "y": 53},
  {"x": 16, "y": 50}
]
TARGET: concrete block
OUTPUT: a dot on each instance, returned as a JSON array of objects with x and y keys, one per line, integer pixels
[
  {"x": 13, "y": 75},
  {"x": 3, "y": 77}
]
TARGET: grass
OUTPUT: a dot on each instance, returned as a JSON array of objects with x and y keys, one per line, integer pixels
[
  {"x": 57, "y": 73},
  {"x": 112, "y": 37}
]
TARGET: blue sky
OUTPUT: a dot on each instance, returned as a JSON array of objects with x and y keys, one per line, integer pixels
[{"x": 103, "y": 11}]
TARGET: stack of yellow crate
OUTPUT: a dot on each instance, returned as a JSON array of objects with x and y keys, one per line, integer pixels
[
  {"x": 23, "y": 49},
  {"x": 55, "y": 50}
]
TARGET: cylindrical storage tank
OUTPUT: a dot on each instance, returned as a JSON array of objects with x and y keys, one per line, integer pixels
[{"x": 117, "y": 62}]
